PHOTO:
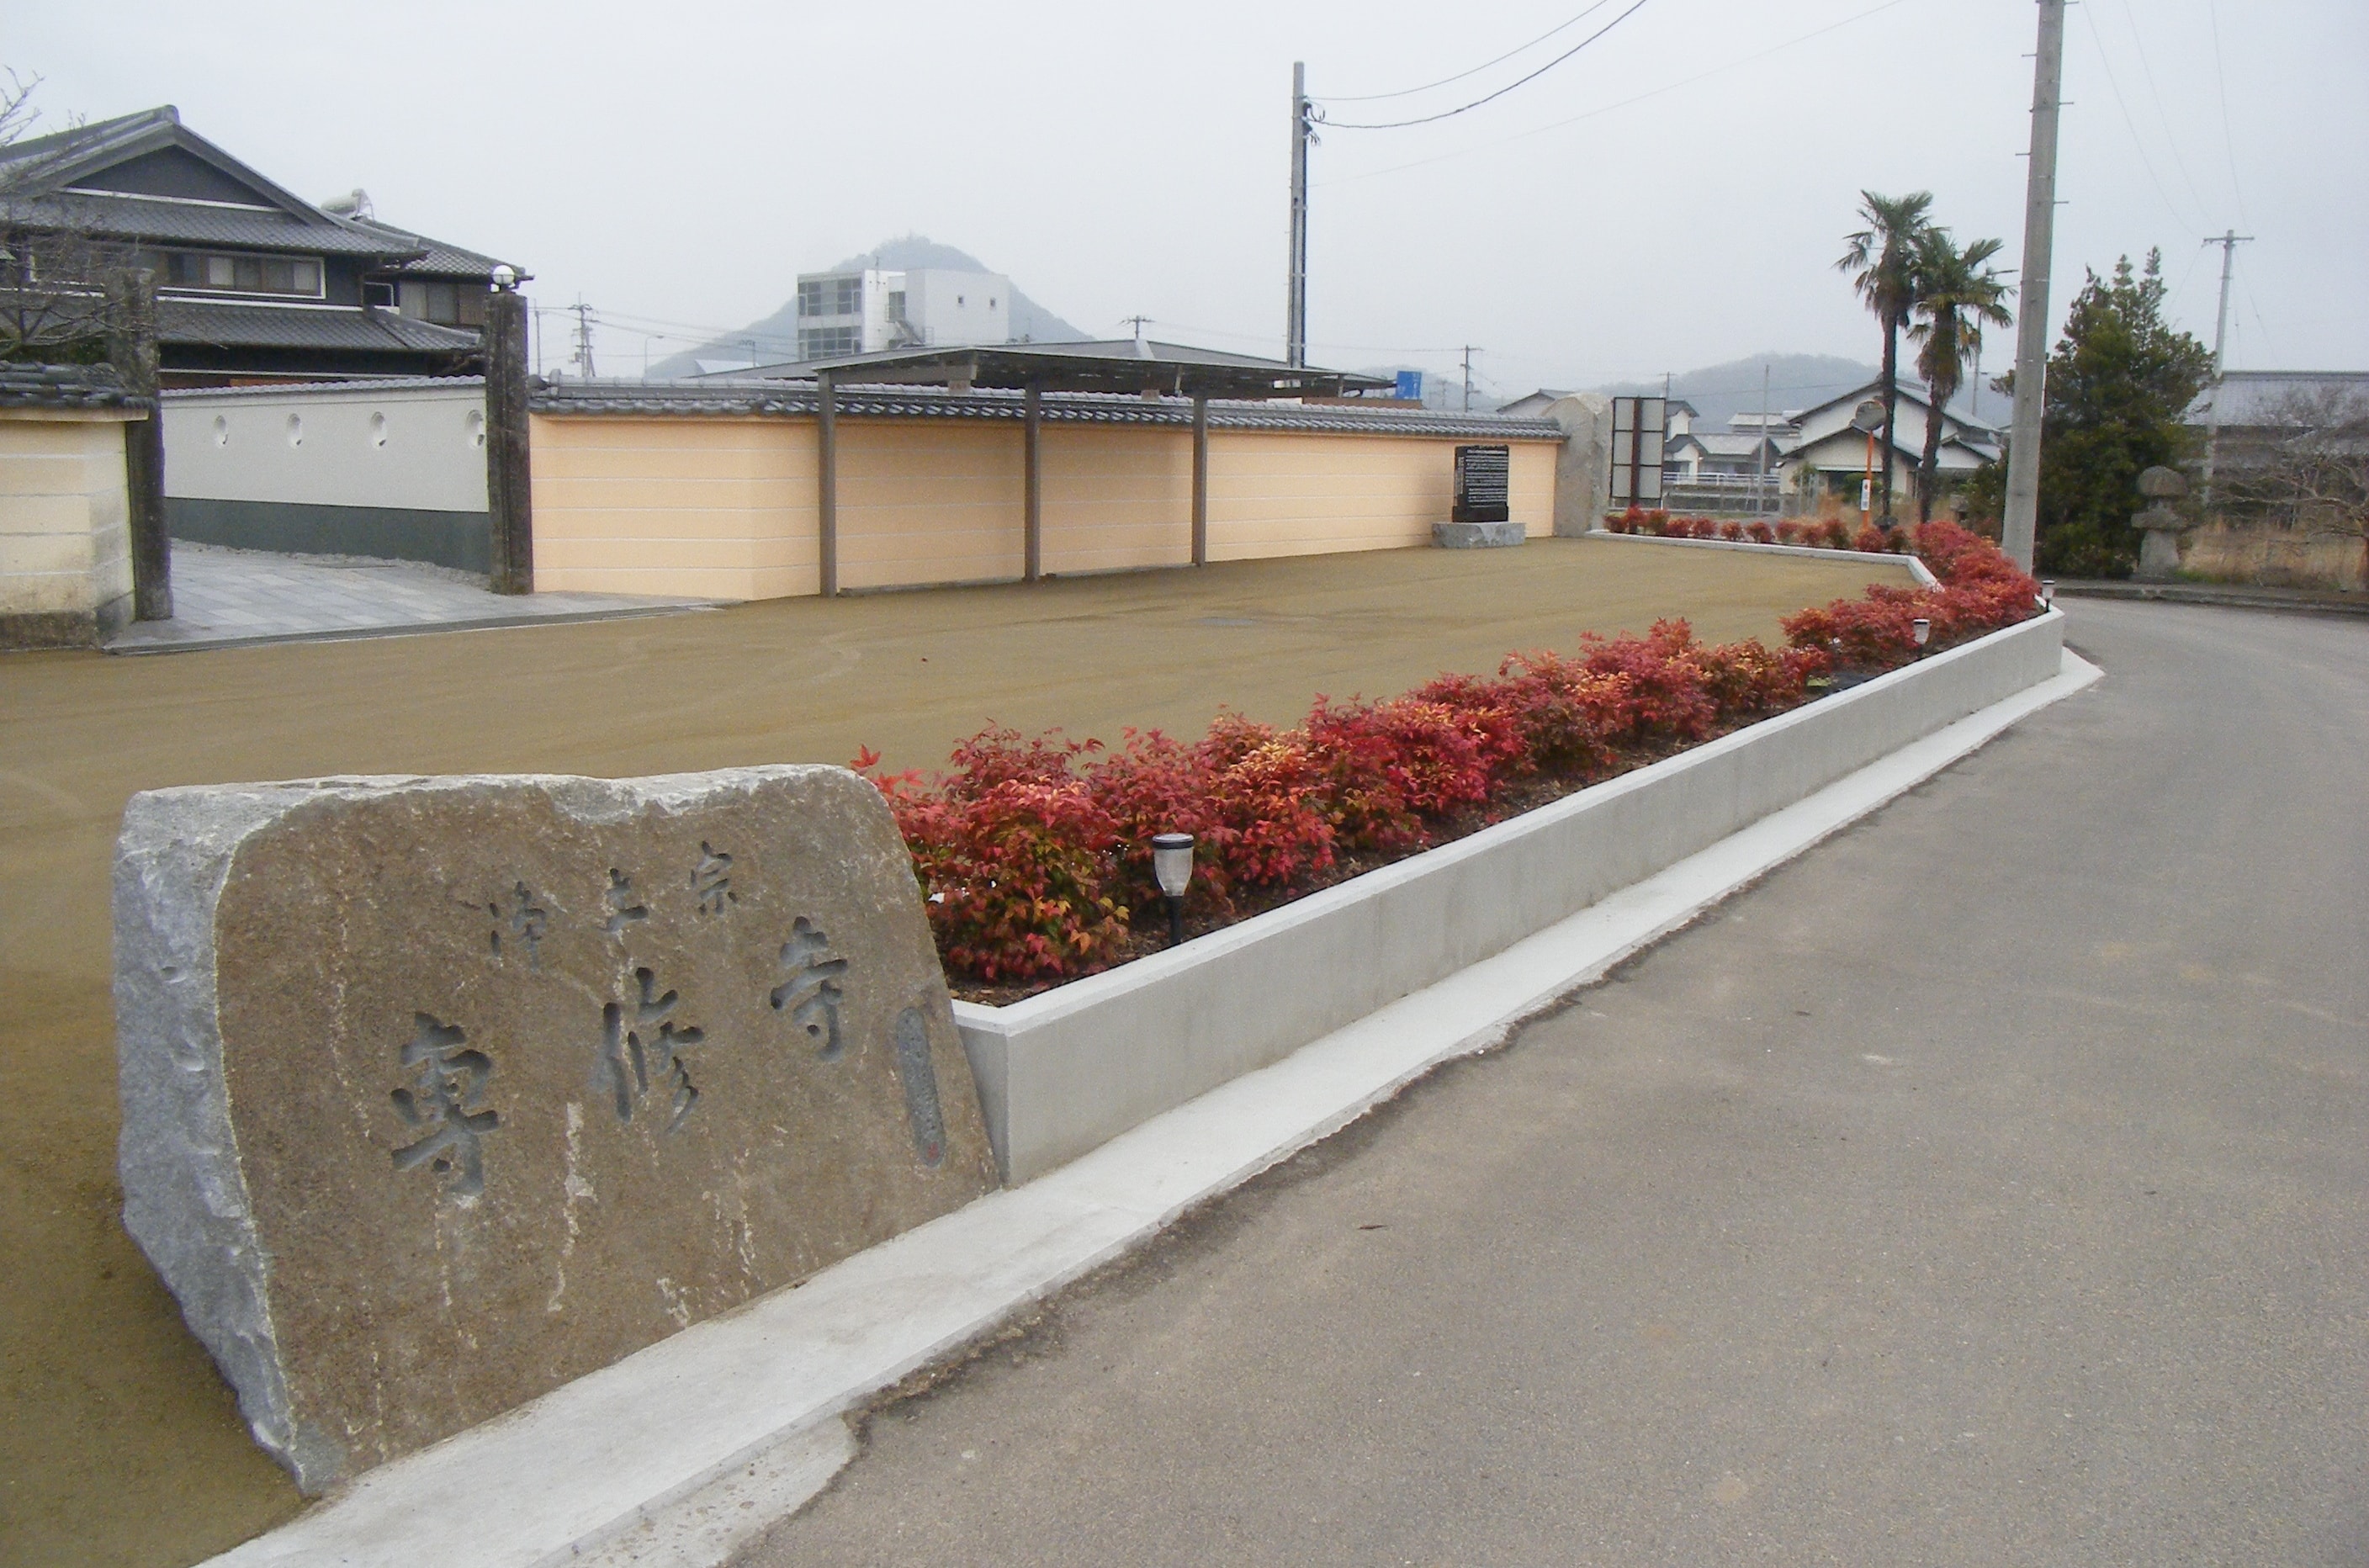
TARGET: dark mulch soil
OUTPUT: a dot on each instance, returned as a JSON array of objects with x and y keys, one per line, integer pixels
[{"x": 1147, "y": 932}]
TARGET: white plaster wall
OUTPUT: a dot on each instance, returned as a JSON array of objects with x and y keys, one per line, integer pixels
[
  {"x": 367, "y": 444},
  {"x": 954, "y": 309},
  {"x": 65, "y": 539}
]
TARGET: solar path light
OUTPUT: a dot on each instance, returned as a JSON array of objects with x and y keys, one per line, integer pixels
[
  {"x": 1922, "y": 630},
  {"x": 2047, "y": 593},
  {"x": 1172, "y": 866}
]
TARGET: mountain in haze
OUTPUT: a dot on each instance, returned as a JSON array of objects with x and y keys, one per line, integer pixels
[{"x": 776, "y": 337}]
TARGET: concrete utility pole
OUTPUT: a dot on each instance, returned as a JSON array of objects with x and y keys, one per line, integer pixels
[
  {"x": 2229, "y": 240},
  {"x": 2021, "y": 523},
  {"x": 1470, "y": 348},
  {"x": 583, "y": 337},
  {"x": 1760, "y": 452},
  {"x": 1295, "y": 331}
]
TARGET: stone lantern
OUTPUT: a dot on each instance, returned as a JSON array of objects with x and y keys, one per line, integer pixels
[{"x": 2160, "y": 525}]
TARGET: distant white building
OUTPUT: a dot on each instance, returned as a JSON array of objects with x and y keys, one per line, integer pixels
[{"x": 866, "y": 311}]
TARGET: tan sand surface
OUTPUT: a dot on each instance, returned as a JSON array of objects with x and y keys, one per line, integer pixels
[{"x": 119, "y": 1444}]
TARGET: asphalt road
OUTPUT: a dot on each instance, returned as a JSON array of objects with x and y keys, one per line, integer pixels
[{"x": 1990, "y": 1187}]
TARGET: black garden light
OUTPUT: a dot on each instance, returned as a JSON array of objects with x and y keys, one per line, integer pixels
[
  {"x": 1172, "y": 867},
  {"x": 2047, "y": 593}
]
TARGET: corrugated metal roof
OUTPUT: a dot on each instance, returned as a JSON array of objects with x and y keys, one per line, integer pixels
[
  {"x": 64, "y": 387},
  {"x": 780, "y": 398},
  {"x": 188, "y": 320},
  {"x": 2255, "y": 398}
]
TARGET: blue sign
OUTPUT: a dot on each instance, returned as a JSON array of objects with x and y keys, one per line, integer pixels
[{"x": 1411, "y": 386}]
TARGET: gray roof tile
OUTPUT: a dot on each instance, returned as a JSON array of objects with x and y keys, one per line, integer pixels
[
  {"x": 188, "y": 320},
  {"x": 64, "y": 387}
]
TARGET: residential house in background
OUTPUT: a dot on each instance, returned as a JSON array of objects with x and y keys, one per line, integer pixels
[
  {"x": 254, "y": 285},
  {"x": 871, "y": 310},
  {"x": 2261, "y": 410},
  {"x": 1836, "y": 452}
]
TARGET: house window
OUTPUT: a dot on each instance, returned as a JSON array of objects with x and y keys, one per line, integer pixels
[
  {"x": 221, "y": 273},
  {"x": 448, "y": 303},
  {"x": 378, "y": 293}
]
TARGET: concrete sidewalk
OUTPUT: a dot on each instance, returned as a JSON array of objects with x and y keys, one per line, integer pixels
[{"x": 225, "y": 598}]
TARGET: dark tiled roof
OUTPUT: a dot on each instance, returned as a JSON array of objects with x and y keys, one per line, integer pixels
[
  {"x": 774, "y": 397},
  {"x": 64, "y": 387},
  {"x": 2267, "y": 399},
  {"x": 134, "y": 217},
  {"x": 436, "y": 256},
  {"x": 187, "y": 321}
]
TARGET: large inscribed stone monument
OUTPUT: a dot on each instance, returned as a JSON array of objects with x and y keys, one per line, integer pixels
[{"x": 439, "y": 1092}]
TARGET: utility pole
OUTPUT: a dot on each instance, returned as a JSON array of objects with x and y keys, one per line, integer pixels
[
  {"x": 2228, "y": 241},
  {"x": 1469, "y": 350},
  {"x": 583, "y": 335},
  {"x": 1295, "y": 330},
  {"x": 1760, "y": 452},
  {"x": 2020, "y": 524},
  {"x": 1139, "y": 322}
]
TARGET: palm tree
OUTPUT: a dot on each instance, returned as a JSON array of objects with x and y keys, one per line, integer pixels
[
  {"x": 1882, "y": 259},
  {"x": 1957, "y": 293}
]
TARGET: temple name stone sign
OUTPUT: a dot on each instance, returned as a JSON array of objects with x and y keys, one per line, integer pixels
[{"x": 440, "y": 1092}]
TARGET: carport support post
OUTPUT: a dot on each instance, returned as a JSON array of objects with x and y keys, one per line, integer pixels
[
  {"x": 1200, "y": 479},
  {"x": 509, "y": 498},
  {"x": 827, "y": 478},
  {"x": 1032, "y": 566},
  {"x": 131, "y": 331}
]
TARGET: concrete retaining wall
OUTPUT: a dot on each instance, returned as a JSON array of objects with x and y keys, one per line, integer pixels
[{"x": 1064, "y": 1072}]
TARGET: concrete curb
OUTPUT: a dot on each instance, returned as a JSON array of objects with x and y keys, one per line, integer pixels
[
  {"x": 681, "y": 1453},
  {"x": 2232, "y": 597},
  {"x": 1918, "y": 569},
  {"x": 410, "y": 629}
]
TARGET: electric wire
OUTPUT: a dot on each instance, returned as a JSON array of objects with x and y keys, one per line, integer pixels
[
  {"x": 2228, "y": 142},
  {"x": 2137, "y": 142},
  {"x": 1501, "y": 92},
  {"x": 2170, "y": 137},
  {"x": 1624, "y": 103},
  {"x": 1410, "y": 92}
]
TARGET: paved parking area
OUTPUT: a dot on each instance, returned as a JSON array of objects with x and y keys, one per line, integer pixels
[{"x": 225, "y": 597}]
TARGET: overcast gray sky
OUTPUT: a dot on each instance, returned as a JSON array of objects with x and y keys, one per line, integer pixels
[{"x": 1674, "y": 195}]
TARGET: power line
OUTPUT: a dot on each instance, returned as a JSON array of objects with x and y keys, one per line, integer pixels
[
  {"x": 2170, "y": 137},
  {"x": 1410, "y": 92},
  {"x": 1624, "y": 103},
  {"x": 2137, "y": 142},
  {"x": 1501, "y": 92},
  {"x": 2228, "y": 142}
]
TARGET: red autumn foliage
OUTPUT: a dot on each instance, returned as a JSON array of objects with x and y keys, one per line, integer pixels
[{"x": 1035, "y": 850}]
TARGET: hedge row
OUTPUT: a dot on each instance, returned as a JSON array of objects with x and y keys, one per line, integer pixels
[
  {"x": 1823, "y": 534},
  {"x": 1035, "y": 851}
]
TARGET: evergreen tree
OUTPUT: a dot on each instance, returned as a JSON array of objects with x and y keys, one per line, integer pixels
[{"x": 2117, "y": 385}]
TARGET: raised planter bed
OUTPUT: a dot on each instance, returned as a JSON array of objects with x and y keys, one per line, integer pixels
[{"x": 1066, "y": 1071}]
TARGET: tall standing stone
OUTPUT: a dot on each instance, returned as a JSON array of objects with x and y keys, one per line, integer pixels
[
  {"x": 440, "y": 1092},
  {"x": 1584, "y": 466}
]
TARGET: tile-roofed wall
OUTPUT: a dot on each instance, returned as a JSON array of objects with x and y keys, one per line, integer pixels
[
  {"x": 65, "y": 386},
  {"x": 789, "y": 398}
]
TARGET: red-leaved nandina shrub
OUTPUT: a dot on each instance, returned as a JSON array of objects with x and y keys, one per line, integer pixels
[
  {"x": 1035, "y": 850},
  {"x": 1268, "y": 808},
  {"x": 1833, "y": 533},
  {"x": 1730, "y": 531},
  {"x": 1568, "y": 714},
  {"x": 1018, "y": 877},
  {"x": 1760, "y": 533},
  {"x": 1872, "y": 540}
]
